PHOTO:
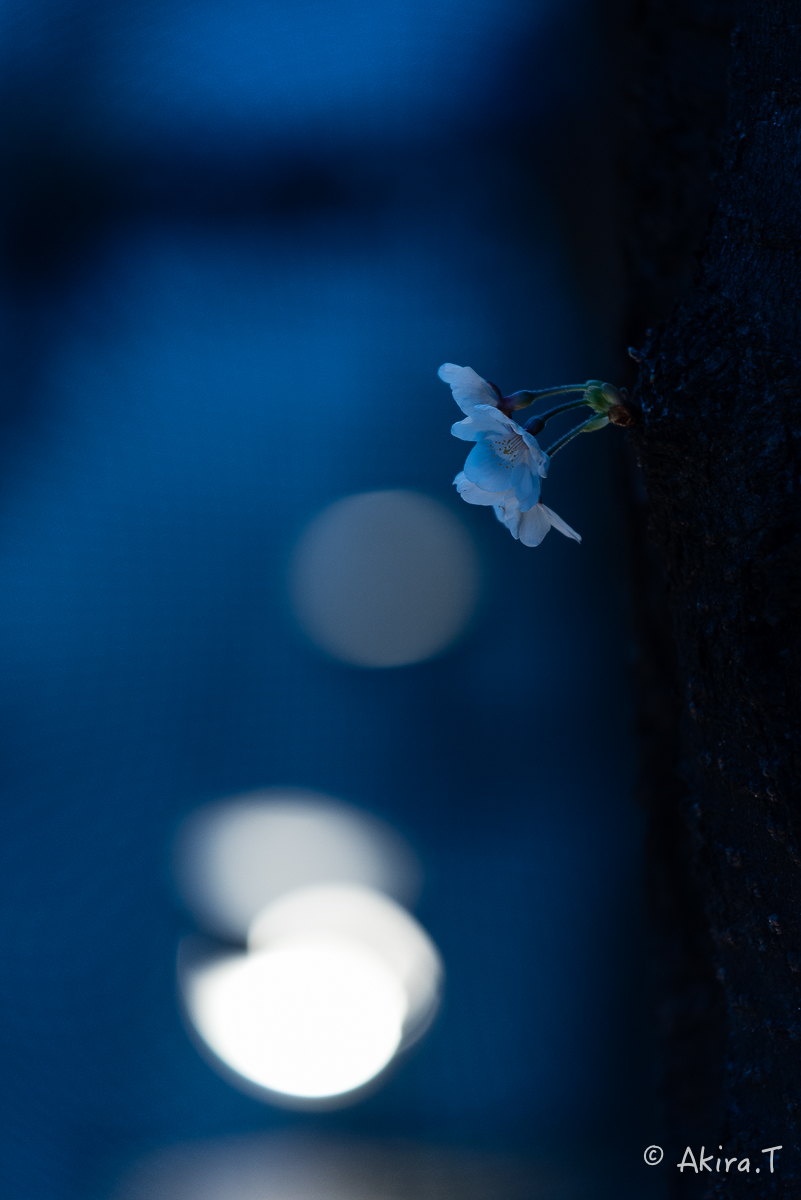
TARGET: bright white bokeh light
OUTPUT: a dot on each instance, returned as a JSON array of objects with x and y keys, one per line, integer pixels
[
  {"x": 364, "y": 917},
  {"x": 338, "y": 977},
  {"x": 311, "y": 1019},
  {"x": 235, "y": 857},
  {"x": 384, "y": 579}
]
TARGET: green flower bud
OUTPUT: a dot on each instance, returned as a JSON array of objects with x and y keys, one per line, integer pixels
[
  {"x": 601, "y": 396},
  {"x": 595, "y": 423}
]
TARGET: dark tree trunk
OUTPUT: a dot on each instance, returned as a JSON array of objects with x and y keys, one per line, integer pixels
[{"x": 711, "y": 164}]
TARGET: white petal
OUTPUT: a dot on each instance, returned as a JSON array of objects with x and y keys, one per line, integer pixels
[
  {"x": 492, "y": 420},
  {"x": 539, "y": 458},
  {"x": 466, "y": 430},
  {"x": 509, "y": 515},
  {"x": 527, "y": 488},
  {"x": 473, "y": 494},
  {"x": 484, "y": 419},
  {"x": 468, "y": 388},
  {"x": 491, "y": 473},
  {"x": 559, "y": 524},
  {"x": 534, "y": 525}
]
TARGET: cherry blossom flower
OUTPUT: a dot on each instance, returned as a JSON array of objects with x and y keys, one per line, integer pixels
[
  {"x": 505, "y": 457},
  {"x": 506, "y": 465}
]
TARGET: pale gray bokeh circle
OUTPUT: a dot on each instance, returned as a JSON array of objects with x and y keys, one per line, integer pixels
[
  {"x": 234, "y": 857},
  {"x": 384, "y": 579}
]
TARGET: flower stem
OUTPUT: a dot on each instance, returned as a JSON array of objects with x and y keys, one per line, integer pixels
[
  {"x": 556, "y": 391},
  {"x": 536, "y": 423},
  {"x": 568, "y": 437},
  {"x": 524, "y": 398}
]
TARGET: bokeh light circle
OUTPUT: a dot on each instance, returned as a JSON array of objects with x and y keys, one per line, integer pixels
[
  {"x": 361, "y": 916},
  {"x": 235, "y": 857},
  {"x": 384, "y": 579},
  {"x": 311, "y": 1019}
]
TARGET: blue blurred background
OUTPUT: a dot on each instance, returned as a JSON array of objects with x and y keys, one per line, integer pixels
[{"x": 240, "y": 239}]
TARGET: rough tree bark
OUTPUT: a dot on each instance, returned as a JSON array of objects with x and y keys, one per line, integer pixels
[{"x": 712, "y": 118}]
